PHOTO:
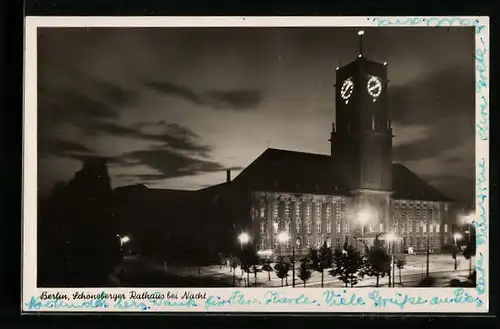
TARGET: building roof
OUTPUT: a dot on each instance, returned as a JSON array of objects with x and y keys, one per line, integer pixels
[{"x": 297, "y": 172}]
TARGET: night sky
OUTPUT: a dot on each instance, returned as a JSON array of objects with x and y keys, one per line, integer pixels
[{"x": 176, "y": 107}]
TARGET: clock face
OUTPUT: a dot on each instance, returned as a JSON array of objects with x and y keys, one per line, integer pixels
[
  {"x": 374, "y": 87},
  {"x": 347, "y": 88}
]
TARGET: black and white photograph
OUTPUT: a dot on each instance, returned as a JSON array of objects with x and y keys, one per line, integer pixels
[{"x": 255, "y": 157}]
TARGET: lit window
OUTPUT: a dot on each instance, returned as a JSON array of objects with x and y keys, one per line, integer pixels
[
  {"x": 275, "y": 227},
  {"x": 431, "y": 227},
  {"x": 318, "y": 227},
  {"x": 328, "y": 227},
  {"x": 308, "y": 227},
  {"x": 308, "y": 241},
  {"x": 262, "y": 244},
  {"x": 424, "y": 228},
  {"x": 262, "y": 227},
  {"x": 338, "y": 227},
  {"x": 410, "y": 227},
  {"x": 381, "y": 227},
  {"x": 445, "y": 228},
  {"x": 417, "y": 228},
  {"x": 346, "y": 228},
  {"x": 437, "y": 228},
  {"x": 328, "y": 243},
  {"x": 262, "y": 211}
]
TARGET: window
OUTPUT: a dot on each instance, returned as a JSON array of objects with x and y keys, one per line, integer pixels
[
  {"x": 308, "y": 227},
  {"x": 338, "y": 227},
  {"x": 318, "y": 227},
  {"x": 262, "y": 211},
  {"x": 337, "y": 241},
  {"x": 381, "y": 227},
  {"x": 417, "y": 228},
  {"x": 431, "y": 227},
  {"x": 275, "y": 227},
  {"x": 437, "y": 228},
  {"x": 262, "y": 227},
  {"x": 373, "y": 122},
  {"x": 329, "y": 227},
  {"x": 308, "y": 242},
  {"x": 410, "y": 227},
  {"x": 262, "y": 244},
  {"x": 445, "y": 239},
  {"x": 445, "y": 228},
  {"x": 424, "y": 228},
  {"x": 346, "y": 228},
  {"x": 329, "y": 243}
]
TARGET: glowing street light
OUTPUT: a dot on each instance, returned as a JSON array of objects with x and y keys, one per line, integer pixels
[
  {"x": 244, "y": 238},
  {"x": 391, "y": 237},
  {"x": 363, "y": 218},
  {"x": 469, "y": 220},
  {"x": 124, "y": 239},
  {"x": 283, "y": 237},
  {"x": 456, "y": 237}
]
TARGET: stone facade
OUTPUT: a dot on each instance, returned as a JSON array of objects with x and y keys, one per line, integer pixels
[{"x": 310, "y": 220}]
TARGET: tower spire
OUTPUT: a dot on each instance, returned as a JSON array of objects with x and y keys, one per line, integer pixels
[{"x": 360, "y": 34}]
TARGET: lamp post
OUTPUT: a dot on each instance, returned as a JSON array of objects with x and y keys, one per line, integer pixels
[
  {"x": 244, "y": 238},
  {"x": 284, "y": 237},
  {"x": 469, "y": 220},
  {"x": 363, "y": 217},
  {"x": 456, "y": 236},
  {"x": 123, "y": 240},
  {"x": 390, "y": 237}
]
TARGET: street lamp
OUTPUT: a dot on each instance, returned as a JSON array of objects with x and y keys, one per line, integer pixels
[
  {"x": 363, "y": 218},
  {"x": 243, "y": 238},
  {"x": 284, "y": 237},
  {"x": 391, "y": 237},
  {"x": 469, "y": 220},
  {"x": 456, "y": 237}
]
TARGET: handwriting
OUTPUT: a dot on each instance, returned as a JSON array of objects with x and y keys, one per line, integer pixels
[
  {"x": 460, "y": 297},
  {"x": 36, "y": 303},
  {"x": 481, "y": 283},
  {"x": 481, "y": 67},
  {"x": 399, "y": 300},
  {"x": 480, "y": 224},
  {"x": 273, "y": 297},
  {"x": 237, "y": 298},
  {"x": 333, "y": 298},
  {"x": 432, "y": 21},
  {"x": 173, "y": 303},
  {"x": 127, "y": 304}
]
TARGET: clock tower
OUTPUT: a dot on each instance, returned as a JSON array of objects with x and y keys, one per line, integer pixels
[{"x": 361, "y": 138}]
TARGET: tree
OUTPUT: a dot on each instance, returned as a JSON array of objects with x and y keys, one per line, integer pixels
[
  {"x": 248, "y": 259},
  {"x": 282, "y": 267},
  {"x": 400, "y": 263},
  {"x": 266, "y": 266},
  {"x": 234, "y": 264},
  {"x": 305, "y": 271},
  {"x": 321, "y": 259},
  {"x": 377, "y": 261},
  {"x": 347, "y": 263},
  {"x": 255, "y": 269}
]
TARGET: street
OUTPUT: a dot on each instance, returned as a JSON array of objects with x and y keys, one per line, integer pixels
[{"x": 141, "y": 272}]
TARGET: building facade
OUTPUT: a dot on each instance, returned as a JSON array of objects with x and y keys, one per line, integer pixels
[{"x": 372, "y": 196}]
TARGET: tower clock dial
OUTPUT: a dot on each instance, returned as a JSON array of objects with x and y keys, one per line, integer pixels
[
  {"x": 374, "y": 87},
  {"x": 347, "y": 89}
]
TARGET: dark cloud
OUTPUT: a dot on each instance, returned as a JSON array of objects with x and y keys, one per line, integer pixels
[
  {"x": 171, "y": 164},
  {"x": 432, "y": 101},
  {"x": 172, "y": 135},
  {"x": 216, "y": 99},
  {"x": 238, "y": 99},
  {"x": 66, "y": 105},
  {"x": 53, "y": 146}
]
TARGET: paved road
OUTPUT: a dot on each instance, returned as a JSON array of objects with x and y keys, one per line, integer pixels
[{"x": 441, "y": 268}]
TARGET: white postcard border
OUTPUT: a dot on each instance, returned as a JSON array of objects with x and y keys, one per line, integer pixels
[{"x": 406, "y": 300}]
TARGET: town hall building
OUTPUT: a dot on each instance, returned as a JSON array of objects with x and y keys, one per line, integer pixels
[{"x": 354, "y": 195}]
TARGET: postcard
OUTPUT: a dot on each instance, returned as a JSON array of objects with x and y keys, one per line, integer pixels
[{"x": 256, "y": 164}]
